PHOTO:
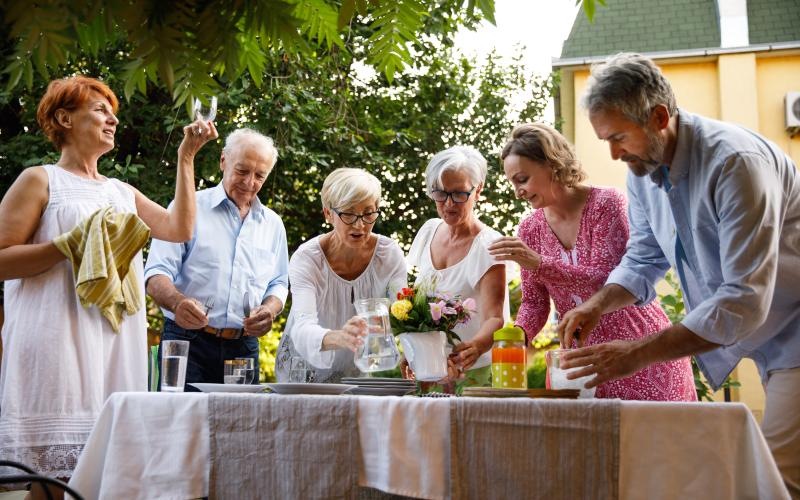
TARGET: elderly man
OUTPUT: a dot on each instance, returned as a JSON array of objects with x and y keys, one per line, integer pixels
[
  {"x": 222, "y": 289},
  {"x": 721, "y": 205}
]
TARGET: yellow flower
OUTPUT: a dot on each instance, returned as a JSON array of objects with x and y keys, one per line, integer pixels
[{"x": 401, "y": 308}]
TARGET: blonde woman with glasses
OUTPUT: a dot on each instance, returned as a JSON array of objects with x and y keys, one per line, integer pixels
[{"x": 329, "y": 272}]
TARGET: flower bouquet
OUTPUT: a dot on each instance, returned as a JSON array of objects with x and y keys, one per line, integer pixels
[
  {"x": 423, "y": 309},
  {"x": 423, "y": 319}
]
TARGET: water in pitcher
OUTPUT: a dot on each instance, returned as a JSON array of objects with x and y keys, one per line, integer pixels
[
  {"x": 379, "y": 351},
  {"x": 377, "y": 354},
  {"x": 173, "y": 373}
]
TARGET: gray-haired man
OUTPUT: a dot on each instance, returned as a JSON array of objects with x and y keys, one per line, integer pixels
[{"x": 721, "y": 205}]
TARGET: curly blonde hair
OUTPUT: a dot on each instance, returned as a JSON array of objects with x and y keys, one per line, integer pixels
[{"x": 544, "y": 144}]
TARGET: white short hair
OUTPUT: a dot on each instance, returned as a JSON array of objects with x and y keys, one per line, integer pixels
[
  {"x": 249, "y": 137},
  {"x": 347, "y": 187},
  {"x": 457, "y": 158}
]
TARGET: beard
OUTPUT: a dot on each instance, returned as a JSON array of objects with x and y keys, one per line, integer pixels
[{"x": 654, "y": 156}]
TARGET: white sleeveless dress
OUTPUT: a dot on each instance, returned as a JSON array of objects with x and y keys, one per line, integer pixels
[{"x": 61, "y": 361}]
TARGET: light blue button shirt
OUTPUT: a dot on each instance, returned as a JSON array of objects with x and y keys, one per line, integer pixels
[
  {"x": 226, "y": 257},
  {"x": 734, "y": 206}
]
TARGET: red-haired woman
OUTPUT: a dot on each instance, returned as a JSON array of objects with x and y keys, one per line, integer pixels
[{"x": 61, "y": 360}]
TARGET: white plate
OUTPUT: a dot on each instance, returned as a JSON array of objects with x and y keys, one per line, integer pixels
[
  {"x": 376, "y": 380},
  {"x": 289, "y": 388},
  {"x": 378, "y": 383},
  {"x": 227, "y": 387},
  {"x": 381, "y": 391}
]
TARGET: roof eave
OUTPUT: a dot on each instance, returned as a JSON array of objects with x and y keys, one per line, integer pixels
[{"x": 676, "y": 55}]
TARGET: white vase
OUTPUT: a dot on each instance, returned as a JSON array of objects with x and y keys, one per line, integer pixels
[{"x": 426, "y": 352}]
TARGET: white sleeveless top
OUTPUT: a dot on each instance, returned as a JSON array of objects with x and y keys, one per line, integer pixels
[
  {"x": 61, "y": 361},
  {"x": 461, "y": 278}
]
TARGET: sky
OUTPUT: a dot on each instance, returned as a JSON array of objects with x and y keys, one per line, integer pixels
[{"x": 540, "y": 25}]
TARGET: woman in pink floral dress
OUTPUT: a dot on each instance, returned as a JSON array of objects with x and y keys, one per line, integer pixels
[{"x": 568, "y": 246}]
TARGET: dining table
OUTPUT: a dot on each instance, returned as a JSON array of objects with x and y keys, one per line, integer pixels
[{"x": 236, "y": 445}]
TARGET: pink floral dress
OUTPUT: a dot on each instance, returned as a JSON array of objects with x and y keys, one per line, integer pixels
[{"x": 571, "y": 276}]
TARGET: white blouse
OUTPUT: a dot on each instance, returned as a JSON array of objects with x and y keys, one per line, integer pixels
[
  {"x": 461, "y": 278},
  {"x": 323, "y": 301}
]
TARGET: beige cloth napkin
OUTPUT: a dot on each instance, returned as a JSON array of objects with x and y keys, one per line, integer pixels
[
  {"x": 101, "y": 250},
  {"x": 534, "y": 448},
  {"x": 280, "y": 446}
]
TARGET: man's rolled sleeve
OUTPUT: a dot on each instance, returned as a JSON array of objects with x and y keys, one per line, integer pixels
[
  {"x": 748, "y": 198},
  {"x": 279, "y": 285}
]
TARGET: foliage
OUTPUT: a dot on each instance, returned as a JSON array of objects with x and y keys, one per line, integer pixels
[
  {"x": 268, "y": 348},
  {"x": 537, "y": 370},
  {"x": 589, "y": 7},
  {"x": 191, "y": 46},
  {"x": 545, "y": 340},
  {"x": 322, "y": 115},
  {"x": 673, "y": 306},
  {"x": 195, "y": 48},
  {"x": 424, "y": 308},
  {"x": 514, "y": 295},
  {"x": 323, "y": 112}
]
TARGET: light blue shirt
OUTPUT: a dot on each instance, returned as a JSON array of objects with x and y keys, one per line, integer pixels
[
  {"x": 734, "y": 211},
  {"x": 226, "y": 257}
]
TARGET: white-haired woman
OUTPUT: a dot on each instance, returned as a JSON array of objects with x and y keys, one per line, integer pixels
[
  {"x": 454, "y": 248},
  {"x": 329, "y": 272}
]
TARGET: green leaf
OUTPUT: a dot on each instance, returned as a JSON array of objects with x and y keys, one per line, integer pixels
[
  {"x": 320, "y": 21},
  {"x": 588, "y": 9},
  {"x": 346, "y": 12},
  {"x": 166, "y": 72},
  {"x": 134, "y": 76},
  {"x": 15, "y": 70},
  {"x": 487, "y": 9}
]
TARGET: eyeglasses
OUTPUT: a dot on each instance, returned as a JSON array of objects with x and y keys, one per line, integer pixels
[
  {"x": 440, "y": 196},
  {"x": 350, "y": 219}
]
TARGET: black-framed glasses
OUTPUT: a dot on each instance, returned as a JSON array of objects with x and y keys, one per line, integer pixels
[
  {"x": 457, "y": 196},
  {"x": 350, "y": 219}
]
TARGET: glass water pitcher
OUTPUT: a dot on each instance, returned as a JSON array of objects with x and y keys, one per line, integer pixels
[{"x": 379, "y": 351}]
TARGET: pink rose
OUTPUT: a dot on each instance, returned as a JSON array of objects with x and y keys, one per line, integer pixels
[
  {"x": 470, "y": 305},
  {"x": 436, "y": 310}
]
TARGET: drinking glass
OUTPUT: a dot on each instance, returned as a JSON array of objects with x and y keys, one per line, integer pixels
[
  {"x": 557, "y": 376},
  {"x": 379, "y": 351},
  {"x": 249, "y": 369},
  {"x": 174, "y": 358},
  {"x": 299, "y": 370},
  {"x": 205, "y": 115},
  {"x": 235, "y": 370}
]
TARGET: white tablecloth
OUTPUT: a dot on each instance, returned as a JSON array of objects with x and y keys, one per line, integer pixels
[{"x": 155, "y": 445}]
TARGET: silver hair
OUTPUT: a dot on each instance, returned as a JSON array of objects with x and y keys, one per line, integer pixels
[
  {"x": 347, "y": 187},
  {"x": 457, "y": 158},
  {"x": 630, "y": 83},
  {"x": 247, "y": 136}
]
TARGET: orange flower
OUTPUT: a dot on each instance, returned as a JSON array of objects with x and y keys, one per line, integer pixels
[{"x": 405, "y": 293}]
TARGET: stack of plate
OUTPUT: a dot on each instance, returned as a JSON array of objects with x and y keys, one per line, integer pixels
[{"x": 375, "y": 386}]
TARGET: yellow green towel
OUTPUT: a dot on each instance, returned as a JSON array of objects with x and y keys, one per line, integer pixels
[{"x": 101, "y": 249}]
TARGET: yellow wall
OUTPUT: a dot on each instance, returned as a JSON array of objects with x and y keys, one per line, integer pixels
[
  {"x": 775, "y": 76},
  {"x": 744, "y": 88}
]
